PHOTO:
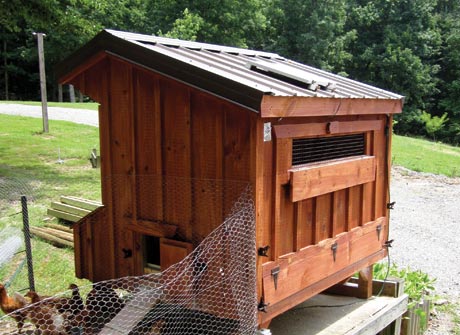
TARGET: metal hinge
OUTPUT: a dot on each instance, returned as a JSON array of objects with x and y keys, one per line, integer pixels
[
  {"x": 267, "y": 131},
  {"x": 379, "y": 230},
  {"x": 262, "y": 251}
]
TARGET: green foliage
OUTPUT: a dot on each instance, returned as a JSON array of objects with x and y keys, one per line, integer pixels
[
  {"x": 411, "y": 47},
  {"x": 417, "y": 284},
  {"x": 433, "y": 124},
  {"x": 187, "y": 27}
]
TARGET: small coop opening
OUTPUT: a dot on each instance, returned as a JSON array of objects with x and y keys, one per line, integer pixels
[{"x": 151, "y": 254}]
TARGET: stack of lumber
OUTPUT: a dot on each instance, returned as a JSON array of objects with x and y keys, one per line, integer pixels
[
  {"x": 72, "y": 208},
  {"x": 58, "y": 235}
]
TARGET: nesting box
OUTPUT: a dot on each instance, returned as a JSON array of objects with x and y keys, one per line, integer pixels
[{"x": 182, "y": 123}]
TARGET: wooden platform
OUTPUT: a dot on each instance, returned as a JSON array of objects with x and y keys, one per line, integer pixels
[
  {"x": 72, "y": 209},
  {"x": 339, "y": 315}
]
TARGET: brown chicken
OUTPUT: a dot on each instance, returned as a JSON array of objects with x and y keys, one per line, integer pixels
[
  {"x": 45, "y": 315},
  {"x": 12, "y": 305}
]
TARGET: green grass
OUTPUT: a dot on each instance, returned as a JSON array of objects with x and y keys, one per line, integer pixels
[
  {"x": 79, "y": 105},
  {"x": 29, "y": 165},
  {"x": 426, "y": 156}
]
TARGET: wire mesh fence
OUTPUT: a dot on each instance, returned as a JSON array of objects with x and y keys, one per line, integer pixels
[{"x": 211, "y": 291}]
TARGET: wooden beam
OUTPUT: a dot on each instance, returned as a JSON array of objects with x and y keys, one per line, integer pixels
[
  {"x": 325, "y": 128},
  {"x": 320, "y": 178},
  {"x": 89, "y": 205},
  {"x": 69, "y": 209},
  {"x": 63, "y": 215},
  {"x": 277, "y": 106}
]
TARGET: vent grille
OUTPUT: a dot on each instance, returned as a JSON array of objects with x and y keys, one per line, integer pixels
[{"x": 310, "y": 150}]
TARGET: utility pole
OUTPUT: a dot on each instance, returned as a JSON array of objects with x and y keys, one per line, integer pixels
[{"x": 41, "y": 63}]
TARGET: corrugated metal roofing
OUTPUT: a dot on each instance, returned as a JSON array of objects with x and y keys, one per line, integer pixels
[{"x": 239, "y": 75}]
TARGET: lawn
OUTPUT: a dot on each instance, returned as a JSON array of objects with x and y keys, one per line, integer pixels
[
  {"x": 426, "y": 156},
  {"x": 43, "y": 167}
]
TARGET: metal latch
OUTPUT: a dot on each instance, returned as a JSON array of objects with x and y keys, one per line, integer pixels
[
  {"x": 391, "y": 205},
  {"x": 379, "y": 230},
  {"x": 334, "y": 250},
  {"x": 275, "y": 272}
]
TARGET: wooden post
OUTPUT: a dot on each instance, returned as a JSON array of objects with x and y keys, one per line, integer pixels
[
  {"x": 60, "y": 92},
  {"x": 41, "y": 63},
  {"x": 72, "y": 93},
  {"x": 5, "y": 70}
]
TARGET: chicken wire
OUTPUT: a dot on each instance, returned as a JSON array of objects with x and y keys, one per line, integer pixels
[{"x": 211, "y": 291}]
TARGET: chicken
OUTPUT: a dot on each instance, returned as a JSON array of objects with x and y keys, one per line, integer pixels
[
  {"x": 12, "y": 305},
  {"x": 75, "y": 302},
  {"x": 102, "y": 304},
  {"x": 45, "y": 315},
  {"x": 60, "y": 303}
]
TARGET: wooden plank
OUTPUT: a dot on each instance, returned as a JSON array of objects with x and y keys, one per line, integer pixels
[
  {"x": 304, "y": 268},
  {"x": 69, "y": 209},
  {"x": 123, "y": 169},
  {"x": 283, "y": 230},
  {"x": 337, "y": 315},
  {"x": 89, "y": 205},
  {"x": 63, "y": 215},
  {"x": 304, "y": 228},
  {"x": 149, "y": 188},
  {"x": 176, "y": 123},
  {"x": 278, "y": 106},
  {"x": 355, "y": 204},
  {"x": 369, "y": 188},
  {"x": 207, "y": 164},
  {"x": 320, "y": 178},
  {"x": 323, "y": 218},
  {"x": 339, "y": 212},
  {"x": 152, "y": 228},
  {"x": 294, "y": 299},
  {"x": 325, "y": 128}
]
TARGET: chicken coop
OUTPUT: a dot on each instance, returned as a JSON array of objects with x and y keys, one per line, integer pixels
[{"x": 185, "y": 126}]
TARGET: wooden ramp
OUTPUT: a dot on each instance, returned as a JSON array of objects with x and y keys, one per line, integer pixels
[
  {"x": 339, "y": 315},
  {"x": 133, "y": 312}
]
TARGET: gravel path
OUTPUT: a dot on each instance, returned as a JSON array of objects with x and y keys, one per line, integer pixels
[
  {"x": 425, "y": 223},
  {"x": 82, "y": 116}
]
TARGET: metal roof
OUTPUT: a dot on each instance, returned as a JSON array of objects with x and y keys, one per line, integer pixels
[{"x": 240, "y": 75}]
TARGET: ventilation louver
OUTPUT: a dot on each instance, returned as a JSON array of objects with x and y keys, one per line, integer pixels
[{"x": 309, "y": 150}]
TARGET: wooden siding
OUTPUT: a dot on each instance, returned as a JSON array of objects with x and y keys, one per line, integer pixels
[
  {"x": 162, "y": 142},
  {"x": 345, "y": 203}
]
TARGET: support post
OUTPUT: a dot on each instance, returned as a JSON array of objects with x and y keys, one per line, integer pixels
[
  {"x": 60, "y": 93},
  {"x": 365, "y": 282},
  {"x": 41, "y": 63},
  {"x": 25, "y": 220}
]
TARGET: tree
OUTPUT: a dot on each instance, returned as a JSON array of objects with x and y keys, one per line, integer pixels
[{"x": 313, "y": 32}]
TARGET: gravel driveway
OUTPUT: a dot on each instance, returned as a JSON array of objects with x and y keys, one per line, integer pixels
[
  {"x": 82, "y": 116},
  {"x": 425, "y": 223}
]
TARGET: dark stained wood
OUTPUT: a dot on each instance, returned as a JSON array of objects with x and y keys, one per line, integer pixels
[
  {"x": 83, "y": 68},
  {"x": 365, "y": 277},
  {"x": 147, "y": 116},
  {"x": 207, "y": 167},
  {"x": 288, "y": 106},
  {"x": 320, "y": 178},
  {"x": 175, "y": 100}
]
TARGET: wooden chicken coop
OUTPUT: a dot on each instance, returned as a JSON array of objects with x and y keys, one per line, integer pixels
[{"x": 314, "y": 146}]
